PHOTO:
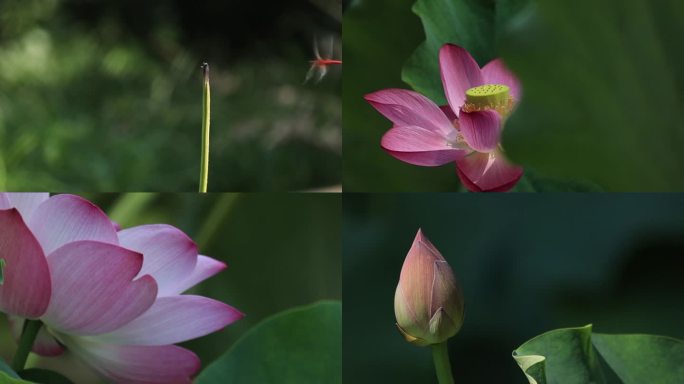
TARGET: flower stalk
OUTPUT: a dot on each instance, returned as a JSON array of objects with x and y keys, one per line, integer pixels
[
  {"x": 440, "y": 356},
  {"x": 428, "y": 303},
  {"x": 28, "y": 336},
  {"x": 206, "y": 113}
]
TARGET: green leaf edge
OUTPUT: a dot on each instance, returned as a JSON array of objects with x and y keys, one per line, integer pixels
[
  {"x": 5, "y": 378},
  {"x": 41, "y": 374},
  {"x": 536, "y": 364},
  {"x": 281, "y": 314},
  {"x": 412, "y": 62},
  {"x": 264, "y": 323},
  {"x": 7, "y": 370}
]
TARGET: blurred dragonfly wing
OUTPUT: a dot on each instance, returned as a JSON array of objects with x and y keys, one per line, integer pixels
[
  {"x": 316, "y": 72},
  {"x": 319, "y": 66},
  {"x": 317, "y": 53}
]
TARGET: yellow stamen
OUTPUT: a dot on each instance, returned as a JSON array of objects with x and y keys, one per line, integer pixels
[{"x": 489, "y": 96}]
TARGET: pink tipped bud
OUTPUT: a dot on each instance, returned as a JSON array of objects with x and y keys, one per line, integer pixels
[{"x": 428, "y": 302}]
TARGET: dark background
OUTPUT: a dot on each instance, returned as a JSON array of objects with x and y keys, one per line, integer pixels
[
  {"x": 107, "y": 95},
  {"x": 282, "y": 250},
  {"x": 527, "y": 265}
]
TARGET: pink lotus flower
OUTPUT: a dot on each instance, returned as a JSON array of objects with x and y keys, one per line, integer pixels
[
  {"x": 112, "y": 298},
  {"x": 467, "y": 131},
  {"x": 428, "y": 302}
]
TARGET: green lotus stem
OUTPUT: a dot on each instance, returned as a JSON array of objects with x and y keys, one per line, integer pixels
[
  {"x": 28, "y": 336},
  {"x": 440, "y": 355},
  {"x": 206, "y": 113}
]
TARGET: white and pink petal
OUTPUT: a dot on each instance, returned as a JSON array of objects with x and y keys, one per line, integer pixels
[
  {"x": 419, "y": 146},
  {"x": 496, "y": 72},
  {"x": 169, "y": 255},
  {"x": 173, "y": 320},
  {"x": 488, "y": 172},
  {"x": 409, "y": 108},
  {"x": 460, "y": 72},
  {"x": 4, "y": 201},
  {"x": 66, "y": 218},
  {"x": 141, "y": 364},
  {"x": 205, "y": 268},
  {"x": 94, "y": 290},
  {"x": 26, "y": 287},
  {"x": 26, "y": 202},
  {"x": 481, "y": 129}
]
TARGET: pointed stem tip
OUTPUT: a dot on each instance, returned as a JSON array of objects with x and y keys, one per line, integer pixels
[{"x": 205, "y": 70}]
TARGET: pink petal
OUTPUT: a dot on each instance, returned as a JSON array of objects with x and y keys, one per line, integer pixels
[
  {"x": 93, "y": 289},
  {"x": 481, "y": 130},
  {"x": 44, "y": 345},
  {"x": 66, "y": 218},
  {"x": 174, "y": 319},
  {"x": 446, "y": 292},
  {"x": 482, "y": 172},
  {"x": 460, "y": 72},
  {"x": 415, "y": 284},
  {"x": 404, "y": 108},
  {"x": 4, "y": 201},
  {"x": 419, "y": 146},
  {"x": 450, "y": 114},
  {"x": 142, "y": 364},
  {"x": 169, "y": 255},
  {"x": 27, "y": 203},
  {"x": 206, "y": 267},
  {"x": 495, "y": 72},
  {"x": 25, "y": 290}
]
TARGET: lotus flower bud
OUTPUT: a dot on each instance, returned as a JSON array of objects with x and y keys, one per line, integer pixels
[{"x": 428, "y": 302}]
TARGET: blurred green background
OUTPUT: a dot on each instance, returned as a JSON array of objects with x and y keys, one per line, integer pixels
[
  {"x": 379, "y": 36},
  {"x": 282, "y": 250},
  {"x": 603, "y": 93},
  {"x": 527, "y": 264},
  {"x": 107, "y": 95}
]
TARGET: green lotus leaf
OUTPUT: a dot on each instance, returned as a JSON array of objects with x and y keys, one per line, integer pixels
[
  {"x": 299, "y": 345},
  {"x": 578, "y": 356}
]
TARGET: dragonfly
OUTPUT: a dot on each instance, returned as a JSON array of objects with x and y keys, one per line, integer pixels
[{"x": 319, "y": 65}]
